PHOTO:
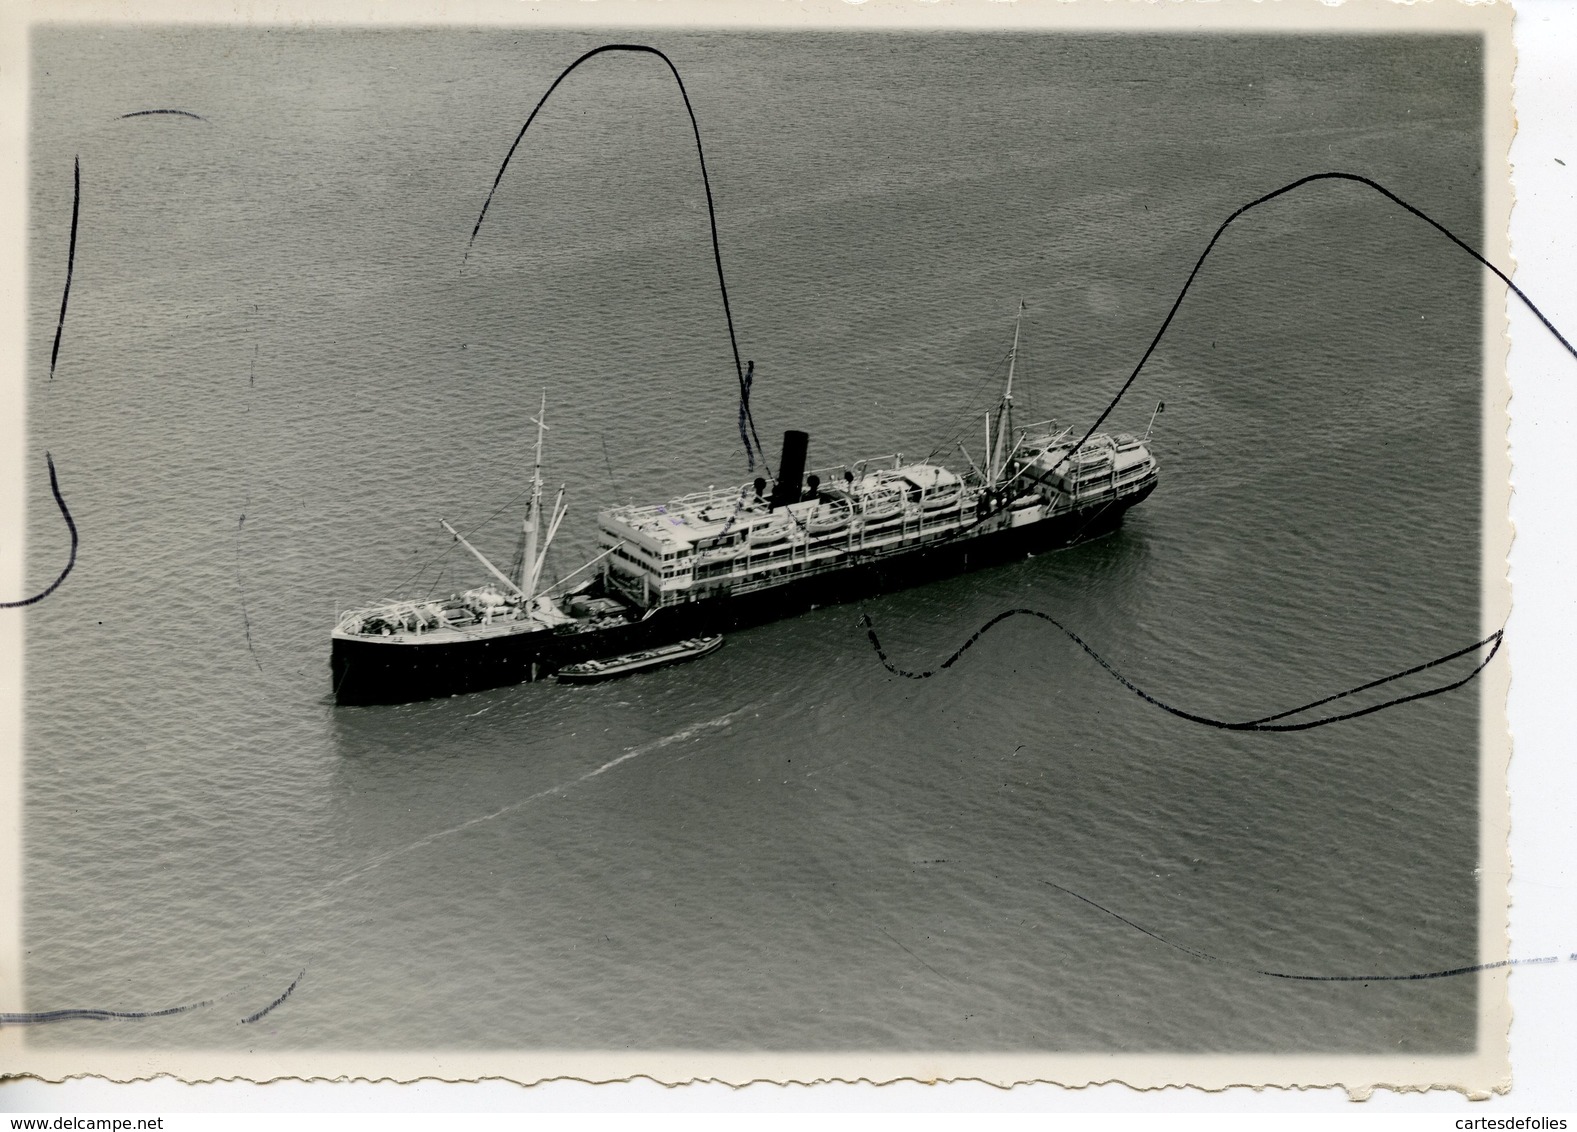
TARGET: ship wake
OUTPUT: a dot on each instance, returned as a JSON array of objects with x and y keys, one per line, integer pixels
[{"x": 679, "y": 736}]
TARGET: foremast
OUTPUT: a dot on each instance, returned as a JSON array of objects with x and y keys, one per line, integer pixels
[
  {"x": 526, "y": 554},
  {"x": 532, "y": 549}
]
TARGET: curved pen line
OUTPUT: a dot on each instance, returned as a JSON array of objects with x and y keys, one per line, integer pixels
[
  {"x": 240, "y": 585},
  {"x": 1470, "y": 969},
  {"x": 249, "y": 1019},
  {"x": 744, "y": 412},
  {"x": 1409, "y": 978},
  {"x": 1356, "y": 179},
  {"x": 1264, "y": 723},
  {"x": 1496, "y": 637},
  {"x": 1200, "y": 263},
  {"x": 180, "y": 113},
  {"x": 711, "y": 210},
  {"x": 54, "y": 486},
  {"x": 43, "y": 1016},
  {"x": 71, "y": 259}
]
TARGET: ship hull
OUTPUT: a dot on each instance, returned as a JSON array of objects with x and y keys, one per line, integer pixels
[{"x": 372, "y": 671}]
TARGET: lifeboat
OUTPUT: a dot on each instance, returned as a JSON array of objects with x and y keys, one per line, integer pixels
[
  {"x": 829, "y": 520},
  {"x": 945, "y": 496},
  {"x": 881, "y": 506},
  {"x": 773, "y": 531}
]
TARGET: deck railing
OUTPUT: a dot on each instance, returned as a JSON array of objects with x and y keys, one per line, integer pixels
[{"x": 743, "y": 498}]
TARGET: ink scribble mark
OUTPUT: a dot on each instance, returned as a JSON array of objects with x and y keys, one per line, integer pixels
[
  {"x": 1002, "y": 504},
  {"x": 711, "y": 211},
  {"x": 1264, "y": 723},
  {"x": 1267, "y": 198},
  {"x": 608, "y": 460},
  {"x": 250, "y": 1018},
  {"x": 178, "y": 113},
  {"x": 1267, "y": 723},
  {"x": 71, "y": 524},
  {"x": 744, "y": 411},
  {"x": 40, "y": 1017},
  {"x": 71, "y": 259},
  {"x": 246, "y": 619},
  {"x": 1449, "y": 972}
]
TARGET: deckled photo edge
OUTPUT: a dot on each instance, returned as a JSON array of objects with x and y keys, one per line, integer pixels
[{"x": 1485, "y": 1071}]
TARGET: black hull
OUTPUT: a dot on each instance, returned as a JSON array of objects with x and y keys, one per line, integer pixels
[{"x": 373, "y": 672}]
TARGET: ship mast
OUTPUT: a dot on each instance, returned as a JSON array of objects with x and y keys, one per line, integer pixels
[
  {"x": 526, "y": 579},
  {"x": 997, "y": 458},
  {"x": 534, "y": 569}
]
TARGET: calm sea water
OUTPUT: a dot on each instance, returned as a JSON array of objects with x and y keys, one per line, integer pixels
[{"x": 279, "y": 371}]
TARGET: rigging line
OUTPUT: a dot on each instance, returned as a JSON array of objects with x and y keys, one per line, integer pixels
[
  {"x": 1200, "y": 262},
  {"x": 983, "y": 394},
  {"x": 1265, "y": 723},
  {"x": 508, "y": 503},
  {"x": 423, "y": 566},
  {"x": 1467, "y": 969},
  {"x": 438, "y": 577},
  {"x": 964, "y": 417},
  {"x": 71, "y": 259},
  {"x": 711, "y": 213},
  {"x": 437, "y": 556},
  {"x": 856, "y": 554},
  {"x": 71, "y": 524},
  {"x": 469, "y": 531}
]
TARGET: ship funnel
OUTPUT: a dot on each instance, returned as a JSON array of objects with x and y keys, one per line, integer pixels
[{"x": 791, "y": 468}]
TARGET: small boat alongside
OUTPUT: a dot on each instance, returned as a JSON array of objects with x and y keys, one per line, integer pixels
[{"x": 591, "y": 671}]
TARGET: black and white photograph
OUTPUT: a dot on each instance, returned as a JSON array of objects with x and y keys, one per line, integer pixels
[{"x": 883, "y": 547}]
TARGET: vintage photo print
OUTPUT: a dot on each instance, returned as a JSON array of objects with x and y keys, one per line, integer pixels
[{"x": 738, "y": 542}]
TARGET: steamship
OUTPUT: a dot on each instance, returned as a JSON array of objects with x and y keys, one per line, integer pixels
[{"x": 719, "y": 560}]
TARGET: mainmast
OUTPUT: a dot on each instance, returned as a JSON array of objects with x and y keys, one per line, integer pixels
[{"x": 997, "y": 458}]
